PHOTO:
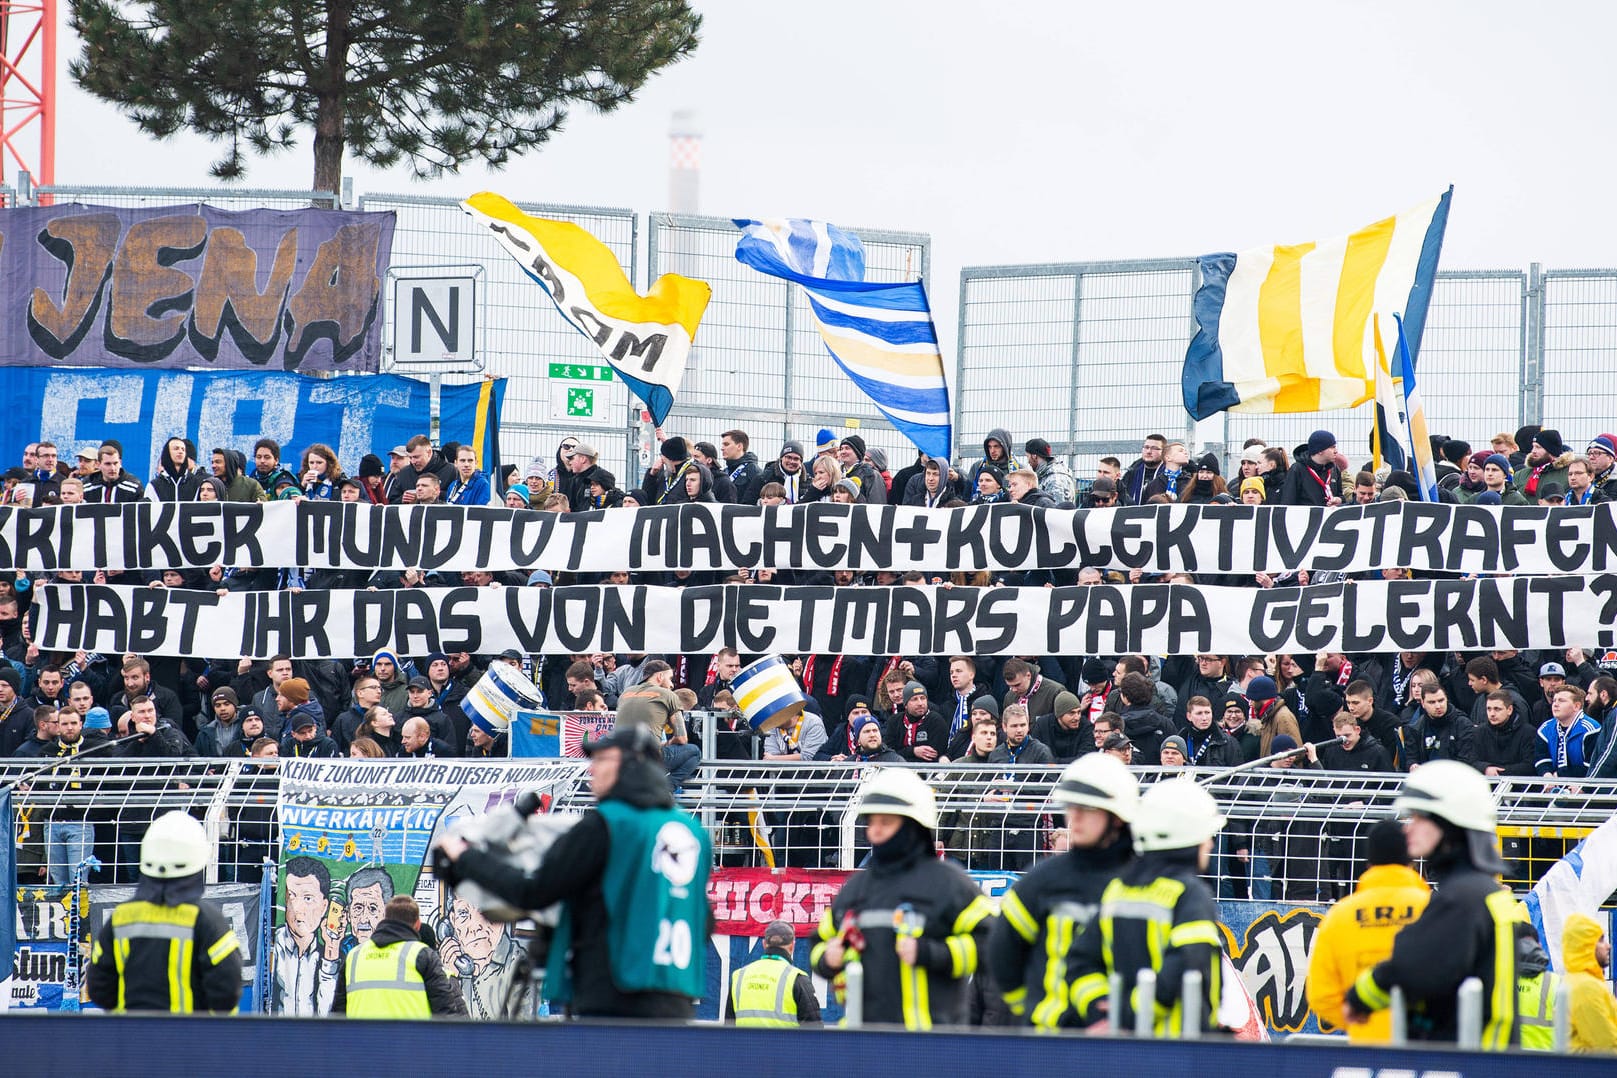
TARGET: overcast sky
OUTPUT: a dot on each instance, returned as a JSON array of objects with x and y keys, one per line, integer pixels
[{"x": 1075, "y": 131}]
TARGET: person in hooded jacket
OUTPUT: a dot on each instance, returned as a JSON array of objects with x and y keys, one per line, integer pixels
[
  {"x": 1585, "y": 954},
  {"x": 230, "y": 467},
  {"x": 1359, "y": 930},
  {"x": 1049, "y": 907},
  {"x": 917, "y": 925},
  {"x": 707, "y": 455},
  {"x": 176, "y": 477},
  {"x": 996, "y": 452},
  {"x": 931, "y": 489},
  {"x": 698, "y": 484},
  {"x": 616, "y": 913}
]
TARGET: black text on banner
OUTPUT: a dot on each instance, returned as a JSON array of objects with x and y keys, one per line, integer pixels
[{"x": 1369, "y": 616}]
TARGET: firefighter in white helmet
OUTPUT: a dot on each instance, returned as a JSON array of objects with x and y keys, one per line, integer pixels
[
  {"x": 167, "y": 949},
  {"x": 917, "y": 924},
  {"x": 1157, "y": 915},
  {"x": 1046, "y": 911},
  {"x": 1469, "y": 927}
]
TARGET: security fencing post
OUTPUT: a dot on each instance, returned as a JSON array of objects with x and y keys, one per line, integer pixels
[
  {"x": 1470, "y": 1004},
  {"x": 1114, "y": 1003},
  {"x": 853, "y": 999},
  {"x": 1190, "y": 1006},
  {"x": 1145, "y": 1005},
  {"x": 1562, "y": 1022},
  {"x": 1400, "y": 1016}
]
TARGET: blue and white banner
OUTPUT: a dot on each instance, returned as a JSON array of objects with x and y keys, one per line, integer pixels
[{"x": 79, "y": 409}]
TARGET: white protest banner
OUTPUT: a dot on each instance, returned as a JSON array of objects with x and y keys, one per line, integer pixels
[
  {"x": 1162, "y": 619},
  {"x": 822, "y": 536}
]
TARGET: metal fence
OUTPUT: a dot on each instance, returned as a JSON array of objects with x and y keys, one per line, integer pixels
[
  {"x": 1293, "y": 835},
  {"x": 759, "y": 363},
  {"x": 1088, "y": 356},
  {"x": 523, "y": 336}
]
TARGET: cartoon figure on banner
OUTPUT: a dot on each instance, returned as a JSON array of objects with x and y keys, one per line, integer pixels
[
  {"x": 1272, "y": 959},
  {"x": 485, "y": 959}
]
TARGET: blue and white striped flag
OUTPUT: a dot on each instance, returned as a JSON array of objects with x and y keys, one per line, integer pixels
[{"x": 881, "y": 335}]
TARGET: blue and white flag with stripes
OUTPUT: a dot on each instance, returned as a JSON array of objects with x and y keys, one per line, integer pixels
[{"x": 881, "y": 335}]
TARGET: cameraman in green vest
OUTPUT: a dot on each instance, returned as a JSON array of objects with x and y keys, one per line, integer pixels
[
  {"x": 393, "y": 974},
  {"x": 772, "y": 993},
  {"x": 632, "y": 879}
]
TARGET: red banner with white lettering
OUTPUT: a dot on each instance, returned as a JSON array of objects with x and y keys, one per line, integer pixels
[{"x": 745, "y": 900}]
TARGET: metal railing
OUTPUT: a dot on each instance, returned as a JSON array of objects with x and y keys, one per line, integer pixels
[{"x": 1301, "y": 830}]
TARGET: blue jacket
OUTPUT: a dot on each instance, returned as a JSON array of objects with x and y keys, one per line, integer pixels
[
  {"x": 1567, "y": 753},
  {"x": 475, "y": 491}
]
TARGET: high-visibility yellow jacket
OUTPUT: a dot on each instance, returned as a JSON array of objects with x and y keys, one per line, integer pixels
[
  {"x": 1357, "y": 933},
  {"x": 1593, "y": 1010}
]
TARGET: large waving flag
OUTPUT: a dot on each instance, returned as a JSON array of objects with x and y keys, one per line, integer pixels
[
  {"x": 646, "y": 339},
  {"x": 1290, "y": 329},
  {"x": 881, "y": 335}
]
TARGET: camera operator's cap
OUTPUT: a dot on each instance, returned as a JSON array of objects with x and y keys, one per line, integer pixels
[
  {"x": 912, "y": 690},
  {"x": 419, "y": 682},
  {"x": 779, "y": 934},
  {"x": 1552, "y": 670}
]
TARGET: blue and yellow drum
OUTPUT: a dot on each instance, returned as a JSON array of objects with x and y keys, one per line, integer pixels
[
  {"x": 497, "y": 697},
  {"x": 768, "y": 694}
]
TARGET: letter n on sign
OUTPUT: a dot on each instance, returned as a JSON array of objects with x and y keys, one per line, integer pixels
[{"x": 436, "y": 316}]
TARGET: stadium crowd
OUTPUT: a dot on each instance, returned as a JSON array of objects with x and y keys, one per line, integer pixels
[{"x": 1503, "y": 712}]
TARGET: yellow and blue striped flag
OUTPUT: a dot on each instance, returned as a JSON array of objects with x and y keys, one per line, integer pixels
[
  {"x": 1292, "y": 328},
  {"x": 881, "y": 335},
  {"x": 645, "y": 339}
]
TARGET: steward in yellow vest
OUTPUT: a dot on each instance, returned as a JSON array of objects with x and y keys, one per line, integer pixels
[
  {"x": 772, "y": 993},
  {"x": 393, "y": 974}
]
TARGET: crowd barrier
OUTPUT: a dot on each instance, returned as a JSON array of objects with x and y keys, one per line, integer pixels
[{"x": 163, "y": 1046}]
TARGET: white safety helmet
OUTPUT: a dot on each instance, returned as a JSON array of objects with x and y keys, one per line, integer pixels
[
  {"x": 1098, "y": 780},
  {"x": 1175, "y": 814},
  {"x": 175, "y": 846},
  {"x": 1452, "y": 791},
  {"x": 897, "y": 792}
]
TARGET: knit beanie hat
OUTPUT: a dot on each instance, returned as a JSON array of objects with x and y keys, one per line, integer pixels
[{"x": 296, "y": 690}]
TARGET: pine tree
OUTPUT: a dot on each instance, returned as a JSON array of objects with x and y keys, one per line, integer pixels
[{"x": 436, "y": 83}]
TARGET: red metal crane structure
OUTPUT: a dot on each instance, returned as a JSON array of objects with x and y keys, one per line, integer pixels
[{"x": 28, "y": 89}]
